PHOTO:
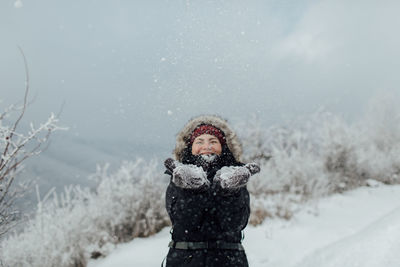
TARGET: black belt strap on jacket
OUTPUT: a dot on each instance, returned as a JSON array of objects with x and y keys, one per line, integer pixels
[{"x": 206, "y": 245}]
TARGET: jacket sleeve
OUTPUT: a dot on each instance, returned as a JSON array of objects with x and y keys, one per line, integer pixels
[{"x": 234, "y": 208}]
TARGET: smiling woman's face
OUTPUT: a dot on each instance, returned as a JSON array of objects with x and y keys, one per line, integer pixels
[{"x": 206, "y": 144}]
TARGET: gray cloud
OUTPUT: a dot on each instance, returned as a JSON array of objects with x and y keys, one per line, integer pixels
[{"x": 137, "y": 70}]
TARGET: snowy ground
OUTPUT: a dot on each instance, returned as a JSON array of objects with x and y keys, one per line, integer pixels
[{"x": 358, "y": 228}]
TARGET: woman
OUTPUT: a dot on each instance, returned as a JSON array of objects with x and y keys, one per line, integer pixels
[{"x": 207, "y": 199}]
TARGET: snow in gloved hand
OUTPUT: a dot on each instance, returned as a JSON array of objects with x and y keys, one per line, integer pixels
[
  {"x": 234, "y": 177},
  {"x": 187, "y": 175}
]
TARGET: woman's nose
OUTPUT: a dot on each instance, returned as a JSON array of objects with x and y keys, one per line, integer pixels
[{"x": 207, "y": 146}]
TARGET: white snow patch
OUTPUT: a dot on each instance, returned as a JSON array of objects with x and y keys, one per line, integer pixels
[
  {"x": 357, "y": 228},
  {"x": 139, "y": 252},
  {"x": 228, "y": 172},
  {"x": 376, "y": 245},
  {"x": 373, "y": 183}
]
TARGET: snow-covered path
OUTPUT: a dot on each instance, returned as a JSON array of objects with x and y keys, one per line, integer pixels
[
  {"x": 376, "y": 245},
  {"x": 357, "y": 228}
]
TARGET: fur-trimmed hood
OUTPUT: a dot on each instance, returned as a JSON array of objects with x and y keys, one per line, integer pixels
[{"x": 183, "y": 136}]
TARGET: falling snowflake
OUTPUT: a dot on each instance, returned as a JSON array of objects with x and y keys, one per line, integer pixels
[{"x": 18, "y": 4}]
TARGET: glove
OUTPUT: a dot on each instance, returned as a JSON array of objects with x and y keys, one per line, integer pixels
[
  {"x": 234, "y": 177},
  {"x": 186, "y": 175}
]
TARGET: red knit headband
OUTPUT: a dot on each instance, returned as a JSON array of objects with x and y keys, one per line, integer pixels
[{"x": 208, "y": 129}]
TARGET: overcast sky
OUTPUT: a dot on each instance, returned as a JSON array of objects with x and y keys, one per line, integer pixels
[{"x": 138, "y": 70}]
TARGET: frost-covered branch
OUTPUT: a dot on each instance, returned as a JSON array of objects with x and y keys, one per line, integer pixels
[{"x": 15, "y": 147}]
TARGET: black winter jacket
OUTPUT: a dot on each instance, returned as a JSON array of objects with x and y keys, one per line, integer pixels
[{"x": 207, "y": 215}]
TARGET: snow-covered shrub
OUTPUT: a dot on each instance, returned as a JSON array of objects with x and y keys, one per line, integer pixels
[
  {"x": 139, "y": 189},
  {"x": 290, "y": 173},
  {"x": 69, "y": 229},
  {"x": 321, "y": 155},
  {"x": 369, "y": 149}
]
